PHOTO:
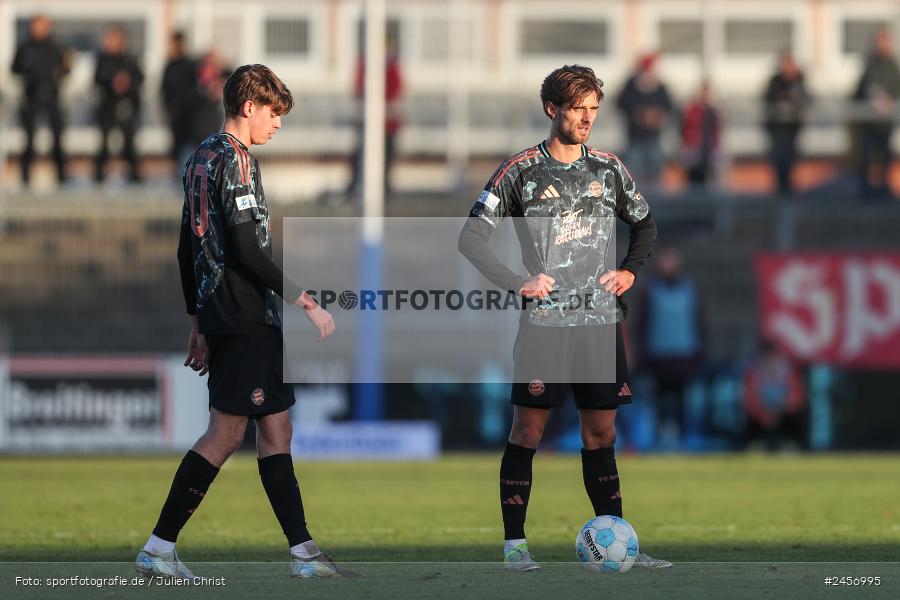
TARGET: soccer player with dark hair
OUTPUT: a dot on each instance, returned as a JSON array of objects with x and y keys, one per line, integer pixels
[
  {"x": 230, "y": 283},
  {"x": 565, "y": 197}
]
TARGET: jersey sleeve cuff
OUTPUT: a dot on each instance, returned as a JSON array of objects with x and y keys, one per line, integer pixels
[{"x": 292, "y": 291}]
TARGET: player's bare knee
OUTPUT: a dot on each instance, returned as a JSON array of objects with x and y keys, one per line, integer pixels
[
  {"x": 274, "y": 443},
  {"x": 528, "y": 435},
  {"x": 234, "y": 444},
  {"x": 229, "y": 438},
  {"x": 274, "y": 434},
  {"x": 599, "y": 437},
  {"x": 283, "y": 433},
  {"x": 284, "y": 436}
]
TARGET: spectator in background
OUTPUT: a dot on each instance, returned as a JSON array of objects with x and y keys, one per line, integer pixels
[
  {"x": 700, "y": 136},
  {"x": 118, "y": 79},
  {"x": 647, "y": 107},
  {"x": 671, "y": 336},
  {"x": 209, "y": 113},
  {"x": 179, "y": 96},
  {"x": 774, "y": 399},
  {"x": 42, "y": 64},
  {"x": 786, "y": 100},
  {"x": 878, "y": 90},
  {"x": 393, "y": 94}
]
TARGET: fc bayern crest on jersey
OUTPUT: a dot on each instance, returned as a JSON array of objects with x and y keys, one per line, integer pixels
[
  {"x": 536, "y": 387},
  {"x": 595, "y": 189},
  {"x": 257, "y": 396}
]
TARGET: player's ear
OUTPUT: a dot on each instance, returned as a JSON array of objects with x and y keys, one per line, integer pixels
[
  {"x": 550, "y": 109},
  {"x": 247, "y": 108}
]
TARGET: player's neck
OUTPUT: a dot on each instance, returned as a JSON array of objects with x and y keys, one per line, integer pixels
[
  {"x": 562, "y": 152},
  {"x": 239, "y": 129}
]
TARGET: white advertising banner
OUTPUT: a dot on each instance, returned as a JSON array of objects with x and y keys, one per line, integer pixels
[
  {"x": 147, "y": 404},
  {"x": 99, "y": 404}
]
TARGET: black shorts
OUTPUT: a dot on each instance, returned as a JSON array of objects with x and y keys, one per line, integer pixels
[
  {"x": 245, "y": 373},
  {"x": 588, "y": 362}
]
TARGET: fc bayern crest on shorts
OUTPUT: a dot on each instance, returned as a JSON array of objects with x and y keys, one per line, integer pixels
[
  {"x": 257, "y": 396},
  {"x": 536, "y": 387}
]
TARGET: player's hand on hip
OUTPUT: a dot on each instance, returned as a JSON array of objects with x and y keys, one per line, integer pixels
[
  {"x": 617, "y": 282},
  {"x": 538, "y": 286},
  {"x": 198, "y": 353},
  {"x": 322, "y": 321}
]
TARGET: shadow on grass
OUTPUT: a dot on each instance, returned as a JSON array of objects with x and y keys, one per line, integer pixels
[{"x": 709, "y": 552}]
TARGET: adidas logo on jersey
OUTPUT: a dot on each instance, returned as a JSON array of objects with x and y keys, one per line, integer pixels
[{"x": 550, "y": 192}]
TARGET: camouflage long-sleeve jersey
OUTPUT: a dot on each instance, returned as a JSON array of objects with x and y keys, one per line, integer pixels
[
  {"x": 565, "y": 217},
  {"x": 228, "y": 277}
]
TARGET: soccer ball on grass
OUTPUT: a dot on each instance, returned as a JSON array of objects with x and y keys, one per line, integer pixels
[{"x": 608, "y": 544}]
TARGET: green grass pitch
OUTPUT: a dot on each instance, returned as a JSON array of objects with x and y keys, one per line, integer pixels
[{"x": 432, "y": 530}]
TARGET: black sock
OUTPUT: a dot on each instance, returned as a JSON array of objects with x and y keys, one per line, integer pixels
[
  {"x": 192, "y": 479},
  {"x": 601, "y": 480},
  {"x": 515, "y": 487},
  {"x": 277, "y": 475}
]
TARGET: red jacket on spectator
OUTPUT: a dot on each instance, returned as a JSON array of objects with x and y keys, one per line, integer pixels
[
  {"x": 393, "y": 90},
  {"x": 694, "y": 129}
]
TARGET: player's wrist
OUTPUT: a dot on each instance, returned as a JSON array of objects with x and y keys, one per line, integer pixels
[
  {"x": 520, "y": 284},
  {"x": 306, "y": 302}
]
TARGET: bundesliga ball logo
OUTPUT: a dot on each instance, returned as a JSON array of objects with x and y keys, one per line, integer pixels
[
  {"x": 348, "y": 300},
  {"x": 536, "y": 387}
]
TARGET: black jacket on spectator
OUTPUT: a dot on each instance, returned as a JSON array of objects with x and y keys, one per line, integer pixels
[
  {"x": 632, "y": 100},
  {"x": 118, "y": 80},
  {"x": 42, "y": 65},
  {"x": 179, "y": 86},
  {"x": 118, "y": 104},
  {"x": 786, "y": 102},
  {"x": 180, "y": 97},
  {"x": 881, "y": 76}
]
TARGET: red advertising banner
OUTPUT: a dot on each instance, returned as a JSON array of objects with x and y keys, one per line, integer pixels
[{"x": 842, "y": 308}]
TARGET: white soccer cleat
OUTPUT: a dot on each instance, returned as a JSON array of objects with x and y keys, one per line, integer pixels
[
  {"x": 319, "y": 565},
  {"x": 645, "y": 561},
  {"x": 518, "y": 558},
  {"x": 166, "y": 564}
]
